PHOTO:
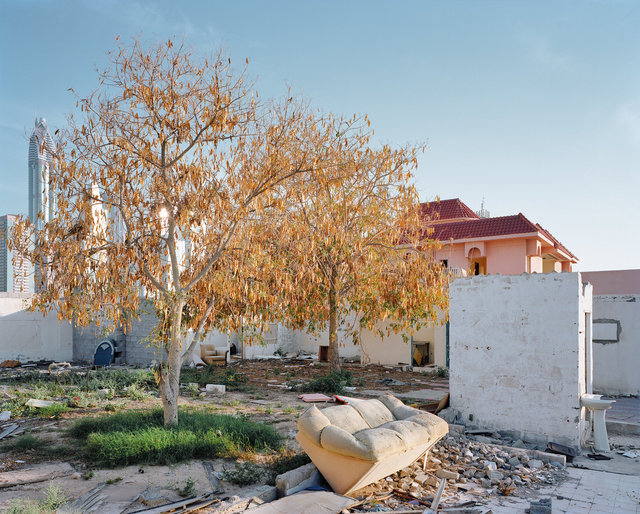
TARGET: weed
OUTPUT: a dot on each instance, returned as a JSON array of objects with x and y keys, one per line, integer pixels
[
  {"x": 134, "y": 437},
  {"x": 276, "y": 371},
  {"x": 245, "y": 474},
  {"x": 87, "y": 476},
  {"x": 192, "y": 390},
  {"x": 54, "y": 498},
  {"x": 333, "y": 383},
  {"x": 289, "y": 409},
  {"x": 27, "y": 442},
  {"x": 110, "y": 407},
  {"x": 188, "y": 489},
  {"x": 52, "y": 411},
  {"x": 284, "y": 464},
  {"x": 136, "y": 393},
  {"x": 442, "y": 372},
  {"x": 115, "y": 480},
  {"x": 280, "y": 352}
]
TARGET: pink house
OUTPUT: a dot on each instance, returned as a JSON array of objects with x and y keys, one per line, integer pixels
[{"x": 508, "y": 245}]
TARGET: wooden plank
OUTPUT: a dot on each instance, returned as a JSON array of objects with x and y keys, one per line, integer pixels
[{"x": 216, "y": 485}]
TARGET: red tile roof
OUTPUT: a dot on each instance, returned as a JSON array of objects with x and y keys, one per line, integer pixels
[
  {"x": 447, "y": 210},
  {"x": 492, "y": 227},
  {"x": 483, "y": 227}
]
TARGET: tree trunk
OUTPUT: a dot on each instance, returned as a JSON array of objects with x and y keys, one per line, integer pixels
[
  {"x": 170, "y": 371},
  {"x": 334, "y": 360}
]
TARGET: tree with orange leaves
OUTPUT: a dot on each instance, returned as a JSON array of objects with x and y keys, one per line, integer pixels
[
  {"x": 355, "y": 245},
  {"x": 161, "y": 189}
]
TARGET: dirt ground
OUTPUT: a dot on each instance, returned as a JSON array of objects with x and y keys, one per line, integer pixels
[{"x": 269, "y": 400}]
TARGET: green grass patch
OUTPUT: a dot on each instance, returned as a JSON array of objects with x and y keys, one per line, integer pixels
[
  {"x": 333, "y": 383},
  {"x": 139, "y": 437},
  {"x": 24, "y": 443}
]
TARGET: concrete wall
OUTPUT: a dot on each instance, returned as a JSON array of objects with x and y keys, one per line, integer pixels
[
  {"x": 394, "y": 349},
  {"x": 135, "y": 342},
  {"x": 518, "y": 353},
  {"x": 617, "y": 282},
  {"x": 28, "y": 336},
  {"x": 616, "y": 344}
]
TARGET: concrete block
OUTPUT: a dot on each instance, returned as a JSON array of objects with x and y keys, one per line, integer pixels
[
  {"x": 297, "y": 479},
  {"x": 215, "y": 388}
]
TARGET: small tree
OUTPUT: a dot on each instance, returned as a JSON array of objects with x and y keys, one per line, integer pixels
[
  {"x": 352, "y": 242},
  {"x": 158, "y": 189}
]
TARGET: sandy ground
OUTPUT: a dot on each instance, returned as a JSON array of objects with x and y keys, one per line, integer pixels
[{"x": 270, "y": 402}]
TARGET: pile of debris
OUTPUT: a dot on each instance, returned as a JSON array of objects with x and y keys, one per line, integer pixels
[{"x": 472, "y": 469}]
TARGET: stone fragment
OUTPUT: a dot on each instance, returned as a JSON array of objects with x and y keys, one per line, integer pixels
[
  {"x": 495, "y": 476},
  {"x": 443, "y": 473},
  {"x": 535, "y": 464},
  {"x": 514, "y": 461},
  {"x": 491, "y": 466}
]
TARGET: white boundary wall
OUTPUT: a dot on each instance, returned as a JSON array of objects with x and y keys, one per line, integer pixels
[
  {"x": 28, "y": 336},
  {"x": 518, "y": 353},
  {"x": 616, "y": 344}
]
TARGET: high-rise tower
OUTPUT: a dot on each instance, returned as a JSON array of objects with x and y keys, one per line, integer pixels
[
  {"x": 14, "y": 276},
  {"x": 40, "y": 157}
]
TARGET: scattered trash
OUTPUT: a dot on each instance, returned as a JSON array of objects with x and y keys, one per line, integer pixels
[
  {"x": 391, "y": 382},
  {"x": 314, "y": 397},
  {"x": 569, "y": 452},
  {"x": 39, "y": 403},
  {"x": 10, "y": 363},
  {"x": 55, "y": 368},
  {"x": 598, "y": 456},
  {"x": 631, "y": 454}
]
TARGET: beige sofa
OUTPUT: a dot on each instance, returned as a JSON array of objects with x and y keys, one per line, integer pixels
[
  {"x": 357, "y": 444},
  {"x": 212, "y": 355}
]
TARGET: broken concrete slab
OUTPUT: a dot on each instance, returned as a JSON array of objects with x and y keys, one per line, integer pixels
[
  {"x": 8, "y": 430},
  {"x": 215, "y": 388},
  {"x": 34, "y": 474},
  {"x": 5, "y": 415},
  {"x": 255, "y": 496},
  {"x": 39, "y": 403},
  {"x": 307, "y": 502},
  {"x": 91, "y": 501}
]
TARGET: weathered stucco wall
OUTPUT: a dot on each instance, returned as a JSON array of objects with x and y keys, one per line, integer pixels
[
  {"x": 517, "y": 353},
  {"x": 28, "y": 336},
  {"x": 616, "y": 344},
  {"x": 393, "y": 349}
]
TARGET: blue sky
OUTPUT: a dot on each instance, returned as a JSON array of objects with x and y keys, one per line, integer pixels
[{"x": 533, "y": 106}]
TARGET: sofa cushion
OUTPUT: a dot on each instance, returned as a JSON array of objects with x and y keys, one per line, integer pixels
[
  {"x": 391, "y": 402},
  {"x": 340, "y": 441},
  {"x": 381, "y": 442},
  {"x": 345, "y": 417},
  {"x": 312, "y": 422},
  {"x": 374, "y": 412},
  {"x": 410, "y": 432}
]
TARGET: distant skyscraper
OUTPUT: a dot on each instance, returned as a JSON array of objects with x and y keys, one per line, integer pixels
[
  {"x": 40, "y": 157},
  {"x": 41, "y": 198},
  {"x": 14, "y": 277}
]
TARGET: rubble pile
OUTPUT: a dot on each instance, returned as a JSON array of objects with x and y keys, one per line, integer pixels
[{"x": 473, "y": 470}]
